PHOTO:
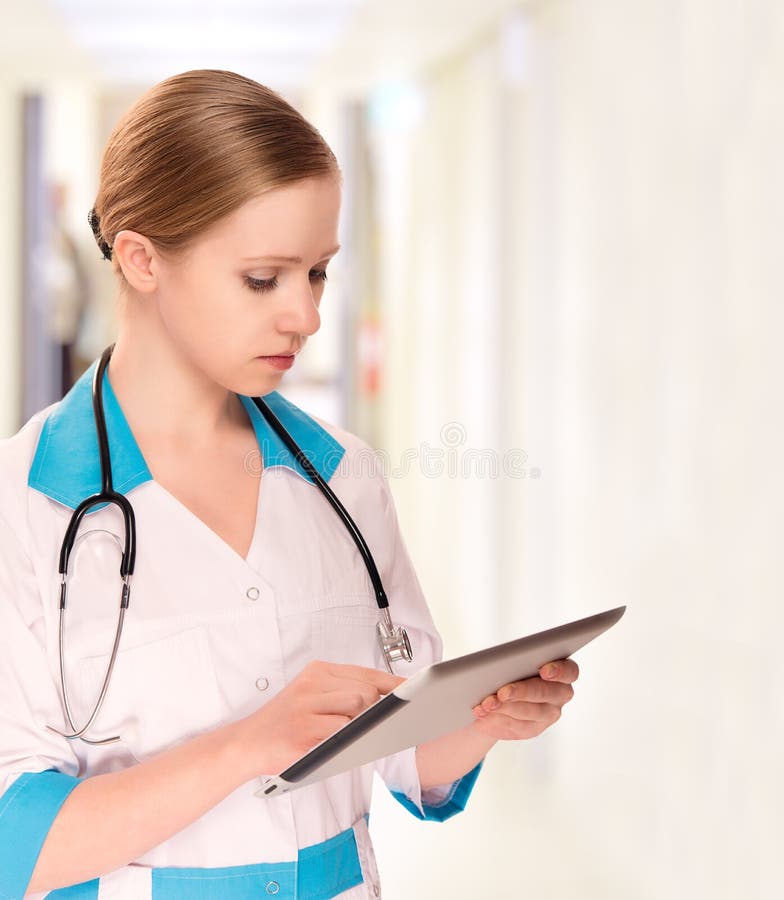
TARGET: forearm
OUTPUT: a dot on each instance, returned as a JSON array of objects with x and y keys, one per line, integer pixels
[
  {"x": 109, "y": 820},
  {"x": 448, "y": 758}
]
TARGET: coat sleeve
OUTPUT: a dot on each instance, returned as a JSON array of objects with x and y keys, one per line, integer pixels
[
  {"x": 38, "y": 768},
  {"x": 409, "y": 608}
]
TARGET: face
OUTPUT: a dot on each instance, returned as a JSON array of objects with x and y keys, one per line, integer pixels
[{"x": 251, "y": 286}]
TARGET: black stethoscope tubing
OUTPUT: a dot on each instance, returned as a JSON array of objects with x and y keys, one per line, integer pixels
[
  {"x": 394, "y": 642},
  {"x": 351, "y": 527},
  {"x": 107, "y": 493}
]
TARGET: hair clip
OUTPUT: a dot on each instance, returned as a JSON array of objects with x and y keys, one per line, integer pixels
[{"x": 95, "y": 225}]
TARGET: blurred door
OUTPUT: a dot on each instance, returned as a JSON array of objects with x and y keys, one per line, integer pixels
[{"x": 41, "y": 362}]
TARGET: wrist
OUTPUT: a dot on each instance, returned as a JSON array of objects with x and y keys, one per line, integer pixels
[
  {"x": 240, "y": 751},
  {"x": 445, "y": 759}
]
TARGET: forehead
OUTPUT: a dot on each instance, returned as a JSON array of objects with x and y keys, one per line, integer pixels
[{"x": 303, "y": 213}]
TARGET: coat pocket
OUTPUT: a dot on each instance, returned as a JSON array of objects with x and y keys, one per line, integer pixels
[
  {"x": 160, "y": 694},
  {"x": 343, "y": 630}
]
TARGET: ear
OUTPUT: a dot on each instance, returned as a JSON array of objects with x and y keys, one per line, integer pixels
[{"x": 138, "y": 260}]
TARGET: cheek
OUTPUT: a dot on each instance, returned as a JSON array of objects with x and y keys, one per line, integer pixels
[
  {"x": 200, "y": 312},
  {"x": 213, "y": 324},
  {"x": 191, "y": 318}
]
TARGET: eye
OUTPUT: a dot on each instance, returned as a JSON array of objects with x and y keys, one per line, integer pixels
[{"x": 262, "y": 285}]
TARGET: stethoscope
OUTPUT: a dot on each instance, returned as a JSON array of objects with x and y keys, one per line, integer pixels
[{"x": 393, "y": 641}]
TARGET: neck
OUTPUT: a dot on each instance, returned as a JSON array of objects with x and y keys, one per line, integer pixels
[{"x": 162, "y": 394}]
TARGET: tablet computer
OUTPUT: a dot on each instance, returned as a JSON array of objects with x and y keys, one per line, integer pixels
[{"x": 438, "y": 699}]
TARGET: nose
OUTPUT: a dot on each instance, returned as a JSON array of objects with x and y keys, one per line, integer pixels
[{"x": 300, "y": 312}]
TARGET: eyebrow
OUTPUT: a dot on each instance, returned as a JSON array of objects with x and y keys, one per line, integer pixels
[{"x": 290, "y": 259}]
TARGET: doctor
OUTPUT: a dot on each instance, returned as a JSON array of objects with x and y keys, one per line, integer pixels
[{"x": 250, "y": 635}]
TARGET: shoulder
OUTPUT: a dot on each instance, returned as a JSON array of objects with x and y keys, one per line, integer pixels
[
  {"x": 356, "y": 448},
  {"x": 352, "y": 443},
  {"x": 360, "y": 463}
]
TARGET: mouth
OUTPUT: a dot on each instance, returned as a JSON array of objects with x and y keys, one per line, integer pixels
[{"x": 282, "y": 361}]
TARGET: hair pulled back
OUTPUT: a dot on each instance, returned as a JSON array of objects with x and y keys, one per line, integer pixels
[{"x": 194, "y": 148}]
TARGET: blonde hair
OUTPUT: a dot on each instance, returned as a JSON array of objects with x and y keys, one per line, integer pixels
[{"x": 194, "y": 148}]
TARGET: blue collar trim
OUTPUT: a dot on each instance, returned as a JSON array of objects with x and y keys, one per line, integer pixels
[
  {"x": 66, "y": 465},
  {"x": 322, "y": 450}
]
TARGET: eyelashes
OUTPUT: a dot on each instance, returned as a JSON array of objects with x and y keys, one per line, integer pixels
[{"x": 264, "y": 285}]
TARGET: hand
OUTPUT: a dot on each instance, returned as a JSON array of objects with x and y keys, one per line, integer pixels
[
  {"x": 322, "y": 698},
  {"x": 524, "y": 709}
]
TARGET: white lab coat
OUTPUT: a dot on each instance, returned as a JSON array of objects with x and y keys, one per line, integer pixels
[{"x": 209, "y": 636}]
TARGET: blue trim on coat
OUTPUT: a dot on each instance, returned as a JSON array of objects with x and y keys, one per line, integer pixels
[
  {"x": 27, "y": 810},
  {"x": 454, "y": 802},
  {"x": 67, "y": 466},
  {"x": 87, "y": 890},
  {"x": 322, "y": 871},
  {"x": 318, "y": 445}
]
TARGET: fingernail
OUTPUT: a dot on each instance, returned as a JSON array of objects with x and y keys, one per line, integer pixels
[
  {"x": 504, "y": 694},
  {"x": 492, "y": 704},
  {"x": 550, "y": 670}
]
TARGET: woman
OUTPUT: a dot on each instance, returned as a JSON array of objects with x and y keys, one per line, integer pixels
[{"x": 250, "y": 634}]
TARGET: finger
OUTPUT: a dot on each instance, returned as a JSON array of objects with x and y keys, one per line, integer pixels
[
  {"x": 316, "y": 728},
  {"x": 352, "y": 685},
  {"x": 342, "y": 703},
  {"x": 490, "y": 703},
  {"x": 327, "y": 725},
  {"x": 379, "y": 679},
  {"x": 565, "y": 670},
  {"x": 534, "y": 690},
  {"x": 527, "y": 712},
  {"x": 368, "y": 693},
  {"x": 504, "y": 727}
]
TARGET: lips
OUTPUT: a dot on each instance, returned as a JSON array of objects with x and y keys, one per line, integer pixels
[{"x": 279, "y": 362}]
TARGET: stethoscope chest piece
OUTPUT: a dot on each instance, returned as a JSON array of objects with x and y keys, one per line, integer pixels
[{"x": 393, "y": 641}]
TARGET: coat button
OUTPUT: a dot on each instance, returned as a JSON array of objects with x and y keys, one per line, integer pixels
[
  {"x": 252, "y": 593},
  {"x": 273, "y": 887},
  {"x": 262, "y": 683}
]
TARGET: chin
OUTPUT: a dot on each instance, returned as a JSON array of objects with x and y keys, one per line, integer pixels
[{"x": 256, "y": 386}]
